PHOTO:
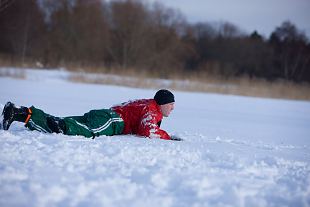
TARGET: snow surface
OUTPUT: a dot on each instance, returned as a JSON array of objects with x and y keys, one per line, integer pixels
[{"x": 237, "y": 151}]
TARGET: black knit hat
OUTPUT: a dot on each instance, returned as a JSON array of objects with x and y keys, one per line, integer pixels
[{"x": 163, "y": 96}]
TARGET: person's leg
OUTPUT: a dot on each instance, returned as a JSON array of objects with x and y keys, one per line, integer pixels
[
  {"x": 76, "y": 125},
  {"x": 42, "y": 121},
  {"x": 39, "y": 120},
  {"x": 91, "y": 124},
  {"x": 95, "y": 123},
  {"x": 34, "y": 118},
  {"x": 12, "y": 113},
  {"x": 73, "y": 125}
]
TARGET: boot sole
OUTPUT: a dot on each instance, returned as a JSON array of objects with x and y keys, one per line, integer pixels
[
  {"x": 1, "y": 122},
  {"x": 6, "y": 119}
]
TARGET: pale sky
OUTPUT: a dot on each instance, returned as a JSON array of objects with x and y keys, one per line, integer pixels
[{"x": 249, "y": 15}]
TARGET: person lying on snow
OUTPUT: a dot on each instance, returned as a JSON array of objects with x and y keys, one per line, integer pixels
[{"x": 141, "y": 117}]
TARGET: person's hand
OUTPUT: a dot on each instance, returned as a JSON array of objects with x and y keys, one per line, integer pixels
[{"x": 176, "y": 138}]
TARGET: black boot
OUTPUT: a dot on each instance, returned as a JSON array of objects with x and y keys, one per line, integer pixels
[
  {"x": 57, "y": 125},
  {"x": 11, "y": 113}
]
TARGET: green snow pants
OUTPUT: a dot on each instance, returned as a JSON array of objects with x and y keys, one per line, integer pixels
[{"x": 92, "y": 124}]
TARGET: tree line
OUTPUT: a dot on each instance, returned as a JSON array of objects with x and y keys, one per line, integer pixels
[{"x": 147, "y": 37}]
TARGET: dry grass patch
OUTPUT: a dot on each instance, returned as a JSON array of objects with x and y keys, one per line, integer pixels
[
  {"x": 238, "y": 86},
  {"x": 196, "y": 82}
]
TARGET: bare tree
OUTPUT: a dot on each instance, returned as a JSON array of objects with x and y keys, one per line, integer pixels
[
  {"x": 21, "y": 26},
  {"x": 291, "y": 57},
  {"x": 129, "y": 25}
]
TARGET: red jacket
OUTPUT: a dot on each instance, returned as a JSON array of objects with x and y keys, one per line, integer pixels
[{"x": 142, "y": 117}]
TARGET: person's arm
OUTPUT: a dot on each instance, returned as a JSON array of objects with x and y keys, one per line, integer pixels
[{"x": 149, "y": 128}]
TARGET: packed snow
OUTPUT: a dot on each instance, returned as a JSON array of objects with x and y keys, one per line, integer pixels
[{"x": 237, "y": 151}]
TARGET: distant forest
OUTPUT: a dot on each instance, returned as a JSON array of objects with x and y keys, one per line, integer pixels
[{"x": 146, "y": 37}]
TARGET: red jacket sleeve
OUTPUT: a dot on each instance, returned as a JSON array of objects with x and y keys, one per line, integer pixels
[{"x": 149, "y": 128}]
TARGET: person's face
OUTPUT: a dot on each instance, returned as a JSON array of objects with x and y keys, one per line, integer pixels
[{"x": 166, "y": 109}]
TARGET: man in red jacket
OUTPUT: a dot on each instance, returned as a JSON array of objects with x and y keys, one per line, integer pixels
[{"x": 141, "y": 117}]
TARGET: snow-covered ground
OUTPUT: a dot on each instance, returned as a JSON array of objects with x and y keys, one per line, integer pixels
[{"x": 237, "y": 151}]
